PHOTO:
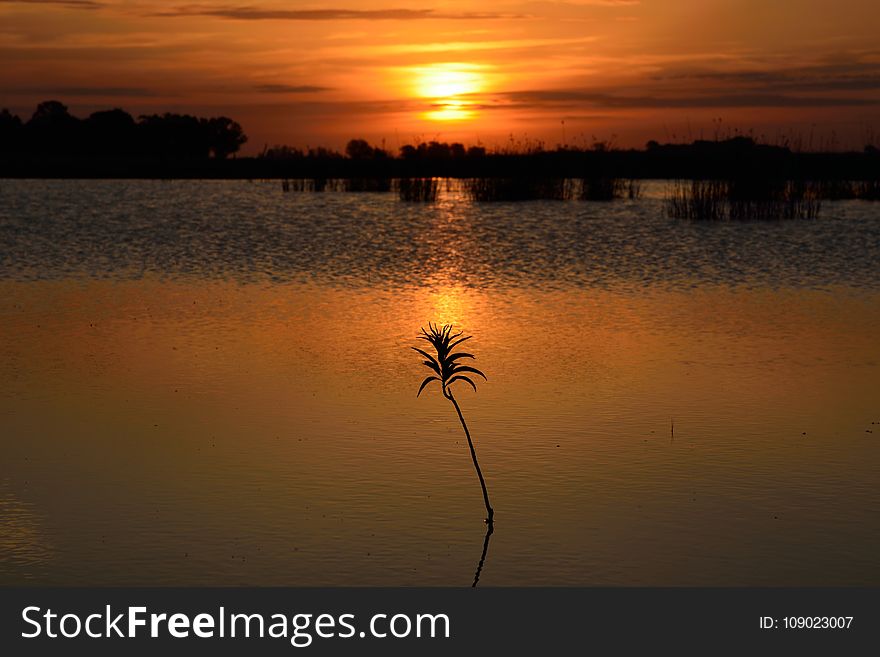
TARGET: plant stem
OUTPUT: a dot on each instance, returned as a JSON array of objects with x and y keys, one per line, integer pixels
[
  {"x": 489, "y": 529},
  {"x": 467, "y": 433}
]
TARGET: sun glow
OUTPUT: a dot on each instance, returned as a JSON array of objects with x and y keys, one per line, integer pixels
[
  {"x": 451, "y": 111},
  {"x": 450, "y": 87}
]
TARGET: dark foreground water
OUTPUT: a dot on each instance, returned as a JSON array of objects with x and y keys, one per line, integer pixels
[{"x": 210, "y": 383}]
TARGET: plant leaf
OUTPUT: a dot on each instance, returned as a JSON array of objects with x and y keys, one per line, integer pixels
[
  {"x": 461, "y": 377},
  {"x": 452, "y": 346},
  {"x": 466, "y": 368},
  {"x": 434, "y": 366},
  {"x": 426, "y": 382},
  {"x": 460, "y": 354},
  {"x": 426, "y": 355}
]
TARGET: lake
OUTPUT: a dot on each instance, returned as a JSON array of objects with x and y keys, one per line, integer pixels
[{"x": 210, "y": 382}]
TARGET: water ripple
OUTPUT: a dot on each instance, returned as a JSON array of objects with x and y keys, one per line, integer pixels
[{"x": 253, "y": 232}]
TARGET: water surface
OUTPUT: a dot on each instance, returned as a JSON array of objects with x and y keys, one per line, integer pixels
[{"x": 210, "y": 383}]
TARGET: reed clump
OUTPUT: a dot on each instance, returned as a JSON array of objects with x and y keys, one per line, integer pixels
[
  {"x": 847, "y": 190},
  {"x": 366, "y": 185},
  {"x": 633, "y": 189},
  {"x": 700, "y": 200},
  {"x": 838, "y": 190},
  {"x": 303, "y": 184},
  {"x": 418, "y": 190},
  {"x": 521, "y": 188},
  {"x": 601, "y": 189},
  {"x": 868, "y": 190},
  {"x": 606, "y": 188},
  {"x": 743, "y": 199}
]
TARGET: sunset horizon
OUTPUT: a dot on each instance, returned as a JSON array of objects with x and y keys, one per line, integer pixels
[{"x": 558, "y": 73}]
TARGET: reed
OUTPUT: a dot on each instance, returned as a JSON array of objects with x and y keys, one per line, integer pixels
[
  {"x": 601, "y": 189},
  {"x": 838, "y": 190},
  {"x": 743, "y": 199},
  {"x": 418, "y": 190},
  {"x": 366, "y": 184},
  {"x": 868, "y": 190},
  {"x": 845, "y": 190},
  {"x": 633, "y": 189},
  {"x": 303, "y": 184},
  {"x": 608, "y": 188},
  {"x": 520, "y": 188},
  {"x": 699, "y": 200}
]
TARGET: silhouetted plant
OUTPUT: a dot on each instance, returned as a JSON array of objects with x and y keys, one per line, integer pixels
[
  {"x": 418, "y": 190},
  {"x": 601, "y": 189},
  {"x": 360, "y": 149},
  {"x": 489, "y": 530},
  {"x": 634, "y": 189},
  {"x": 745, "y": 198},
  {"x": 868, "y": 190},
  {"x": 701, "y": 200},
  {"x": 447, "y": 370},
  {"x": 520, "y": 188},
  {"x": 366, "y": 185}
]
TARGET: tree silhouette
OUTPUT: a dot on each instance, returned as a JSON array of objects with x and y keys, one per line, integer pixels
[
  {"x": 55, "y": 134},
  {"x": 448, "y": 371},
  {"x": 187, "y": 137},
  {"x": 53, "y": 130},
  {"x": 11, "y": 129},
  {"x": 51, "y": 112},
  {"x": 173, "y": 136},
  {"x": 111, "y": 133},
  {"x": 433, "y": 150},
  {"x": 225, "y": 136},
  {"x": 360, "y": 149}
]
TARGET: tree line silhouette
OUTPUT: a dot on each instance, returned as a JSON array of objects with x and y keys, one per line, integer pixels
[
  {"x": 52, "y": 132},
  {"x": 361, "y": 150},
  {"x": 734, "y": 157},
  {"x": 113, "y": 143}
]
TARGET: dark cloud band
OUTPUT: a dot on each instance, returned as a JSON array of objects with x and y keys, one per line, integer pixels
[{"x": 253, "y": 13}]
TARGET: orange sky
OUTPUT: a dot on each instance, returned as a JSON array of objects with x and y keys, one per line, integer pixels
[{"x": 310, "y": 73}]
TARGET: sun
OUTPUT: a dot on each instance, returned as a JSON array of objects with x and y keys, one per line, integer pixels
[
  {"x": 450, "y": 87},
  {"x": 448, "y": 80}
]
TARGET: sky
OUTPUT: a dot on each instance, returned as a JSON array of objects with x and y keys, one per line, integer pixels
[{"x": 490, "y": 72}]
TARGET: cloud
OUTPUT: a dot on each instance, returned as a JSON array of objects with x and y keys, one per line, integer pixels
[
  {"x": 841, "y": 81},
  {"x": 59, "y": 92},
  {"x": 289, "y": 89},
  {"x": 474, "y": 46},
  {"x": 71, "y": 4},
  {"x": 574, "y": 97},
  {"x": 254, "y": 13},
  {"x": 576, "y": 4},
  {"x": 853, "y": 76},
  {"x": 94, "y": 55}
]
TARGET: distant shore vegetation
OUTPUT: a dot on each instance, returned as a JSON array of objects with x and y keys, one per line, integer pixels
[
  {"x": 52, "y": 133},
  {"x": 728, "y": 177}
]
